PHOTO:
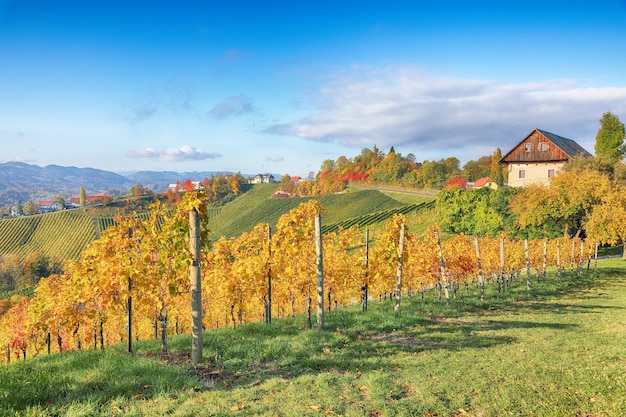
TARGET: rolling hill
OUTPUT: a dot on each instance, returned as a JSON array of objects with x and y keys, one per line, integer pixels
[{"x": 63, "y": 235}]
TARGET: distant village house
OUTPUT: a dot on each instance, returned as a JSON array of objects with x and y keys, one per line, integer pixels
[
  {"x": 485, "y": 182},
  {"x": 179, "y": 186},
  {"x": 262, "y": 179}
]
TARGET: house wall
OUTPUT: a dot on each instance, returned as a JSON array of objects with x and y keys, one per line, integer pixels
[{"x": 536, "y": 172}]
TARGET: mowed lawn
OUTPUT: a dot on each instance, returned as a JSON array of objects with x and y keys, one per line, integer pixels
[{"x": 556, "y": 350}]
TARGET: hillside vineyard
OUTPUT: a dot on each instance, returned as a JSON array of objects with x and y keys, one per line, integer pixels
[{"x": 146, "y": 258}]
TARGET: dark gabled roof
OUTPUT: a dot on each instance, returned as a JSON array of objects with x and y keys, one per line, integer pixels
[{"x": 568, "y": 146}]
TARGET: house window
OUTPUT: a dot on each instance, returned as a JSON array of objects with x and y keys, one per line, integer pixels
[
  {"x": 550, "y": 173},
  {"x": 521, "y": 174},
  {"x": 544, "y": 146},
  {"x": 527, "y": 147}
]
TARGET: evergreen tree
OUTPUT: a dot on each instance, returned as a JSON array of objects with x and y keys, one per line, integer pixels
[
  {"x": 496, "y": 173},
  {"x": 610, "y": 138}
]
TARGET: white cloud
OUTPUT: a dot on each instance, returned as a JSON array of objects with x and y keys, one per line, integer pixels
[
  {"x": 184, "y": 153},
  {"x": 405, "y": 106},
  {"x": 144, "y": 153}
]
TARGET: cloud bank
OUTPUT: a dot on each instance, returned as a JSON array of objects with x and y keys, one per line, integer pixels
[
  {"x": 184, "y": 153},
  {"x": 406, "y": 106}
]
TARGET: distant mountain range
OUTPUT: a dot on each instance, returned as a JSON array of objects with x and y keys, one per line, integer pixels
[{"x": 23, "y": 182}]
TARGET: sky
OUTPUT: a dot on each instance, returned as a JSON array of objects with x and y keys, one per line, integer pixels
[{"x": 280, "y": 86}]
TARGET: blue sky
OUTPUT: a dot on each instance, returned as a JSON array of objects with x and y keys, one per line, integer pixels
[{"x": 280, "y": 86}]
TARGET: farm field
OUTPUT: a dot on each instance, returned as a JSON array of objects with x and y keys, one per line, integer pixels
[
  {"x": 556, "y": 350},
  {"x": 60, "y": 235},
  {"x": 256, "y": 206}
]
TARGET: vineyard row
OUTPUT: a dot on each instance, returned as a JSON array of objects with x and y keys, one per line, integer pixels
[{"x": 258, "y": 275}]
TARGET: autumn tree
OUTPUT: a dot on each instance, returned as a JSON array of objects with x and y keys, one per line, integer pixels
[
  {"x": 30, "y": 208},
  {"x": 137, "y": 191},
  {"x": 433, "y": 174},
  {"x": 476, "y": 169},
  {"x": 610, "y": 138},
  {"x": 82, "y": 196},
  {"x": 567, "y": 202},
  {"x": 607, "y": 223},
  {"x": 11, "y": 269},
  {"x": 455, "y": 183}
]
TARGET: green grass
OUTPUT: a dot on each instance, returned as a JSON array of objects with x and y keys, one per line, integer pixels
[
  {"x": 557, "y": 350},
  {"x": 617, "y": 250}
]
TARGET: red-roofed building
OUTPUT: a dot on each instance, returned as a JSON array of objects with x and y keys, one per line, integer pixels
[
  {"x": 485, "y": 182},
  {"x": 46, "y": 206}
]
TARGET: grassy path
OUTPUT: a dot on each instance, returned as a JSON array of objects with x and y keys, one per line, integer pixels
[{"x": 558, "y": 350}]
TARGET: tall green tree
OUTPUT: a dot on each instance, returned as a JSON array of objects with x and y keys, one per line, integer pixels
[
  {"x": 496, "y": 173},
  {"x": 610, "y": 138}
]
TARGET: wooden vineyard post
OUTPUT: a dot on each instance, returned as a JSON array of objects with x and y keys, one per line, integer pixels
[
  {"x": 195, "y": 287},
  {"x": 545, "y": 259},
  {"x": 442, "y": 268},
  {"x": 365, "y": 284},
  {"x": 129, "y": 325},
  {"x": 320, "y": 272},
  {"x": 268, "y": 308},
  {"x": 399, "y": 269},
  {"x": 129, "y": 306},
  {"x": 501, "y": 284},
  {"x": 558, "y": 261},
  {"x": 481, "y": 278},
  {"x": 573, "y": 256},
  {"x": 527, "y": 264},
  {"x": 581, "y": 259}
]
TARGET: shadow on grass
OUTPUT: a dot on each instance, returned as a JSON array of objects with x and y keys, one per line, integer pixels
[
  {"x": 90, "y": 377},
  {"x": 368, "y": 341},
  {"x": 255, "y": 352}
]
